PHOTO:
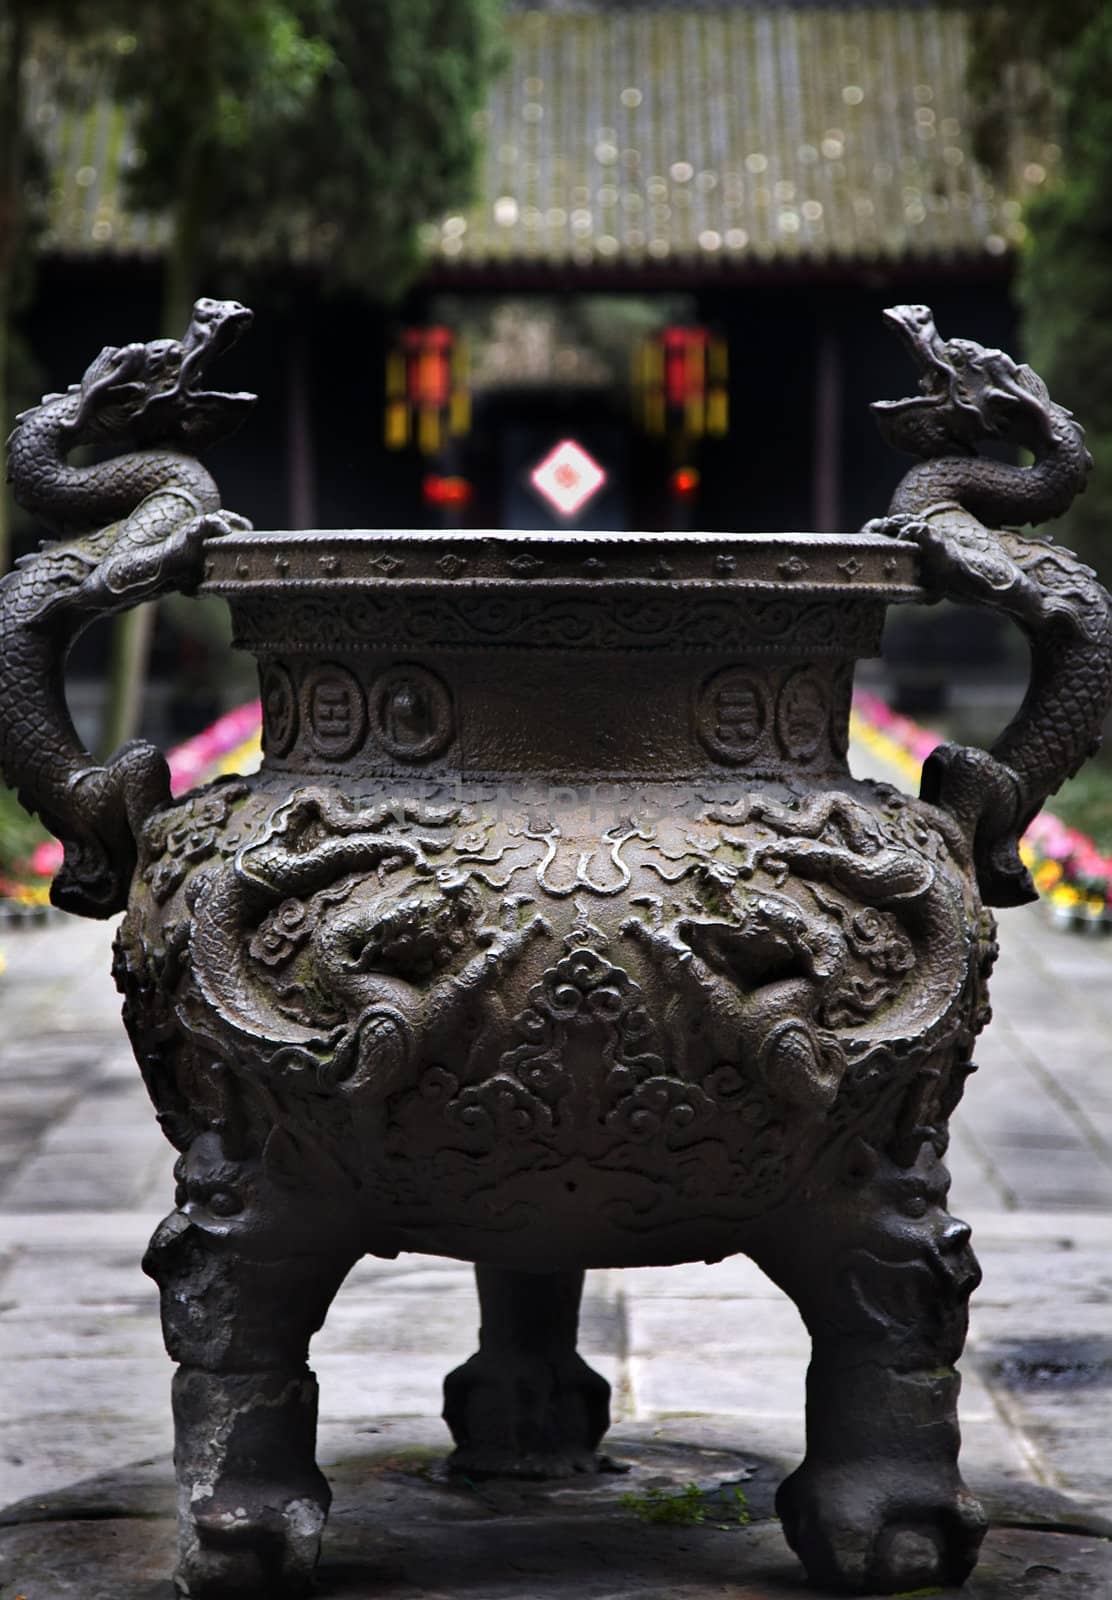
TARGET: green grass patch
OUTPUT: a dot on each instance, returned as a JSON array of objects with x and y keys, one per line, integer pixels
[
  {"x": 690, "y": 1507},
  {"x": 19, "y": 832}
]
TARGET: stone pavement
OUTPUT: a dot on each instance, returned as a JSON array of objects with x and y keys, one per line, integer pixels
[{"x": 707, "y": 1363}]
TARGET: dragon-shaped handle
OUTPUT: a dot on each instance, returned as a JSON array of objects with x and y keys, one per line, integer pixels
[
  {"x": 951, "y": 504},
  {"x": 134, "y": 528}
]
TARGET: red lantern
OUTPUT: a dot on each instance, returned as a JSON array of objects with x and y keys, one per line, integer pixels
[
  {"x": 426, "y": 389},
  {"x": 428, "y": 366},
  {"x": 681, "y": 378}
]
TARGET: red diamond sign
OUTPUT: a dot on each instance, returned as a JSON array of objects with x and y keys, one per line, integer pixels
[{"x": 568, "y": 477}]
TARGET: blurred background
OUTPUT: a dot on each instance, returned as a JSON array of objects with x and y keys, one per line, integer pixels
[{"x": 472, "y": 231}]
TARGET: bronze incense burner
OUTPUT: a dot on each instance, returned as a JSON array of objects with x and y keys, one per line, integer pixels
[{"x": 554, "y": 933}]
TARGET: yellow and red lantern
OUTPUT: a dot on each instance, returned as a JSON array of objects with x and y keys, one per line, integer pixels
[
  {"x": 681, "y": 377},
  {"x": 427, "y": 394}
]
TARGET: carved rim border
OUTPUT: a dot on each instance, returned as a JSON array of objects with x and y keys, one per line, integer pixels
[{"x": 848, "y": 563}]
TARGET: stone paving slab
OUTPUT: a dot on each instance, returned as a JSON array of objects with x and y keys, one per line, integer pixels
[
  {"x": 80, "y": 1337},
  {"x": 401, "y": 1529}
]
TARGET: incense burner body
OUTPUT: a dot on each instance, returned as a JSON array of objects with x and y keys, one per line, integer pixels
[
  {"x": 554, "y": 928},
  {"x": 553, "y": 933}
]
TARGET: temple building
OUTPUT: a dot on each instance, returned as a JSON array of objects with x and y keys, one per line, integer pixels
[{"x": 663, "y": 308}]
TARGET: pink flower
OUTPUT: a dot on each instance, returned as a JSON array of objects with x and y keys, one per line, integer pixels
[
  {"x": 46, "y": 858},
  {"x": 191, "y": 761}
]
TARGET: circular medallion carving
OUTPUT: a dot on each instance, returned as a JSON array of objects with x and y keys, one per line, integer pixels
[
  {"x": 732, "y": 714},
  {"x": 335, "y": 711},
  {"x": 279, "y": 711},
  {"x": 411, "y": 712},
  {"x": 802, "y": 714}
]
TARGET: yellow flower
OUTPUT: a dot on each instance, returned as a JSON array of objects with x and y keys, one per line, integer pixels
[{"x": 32, "y": 894}]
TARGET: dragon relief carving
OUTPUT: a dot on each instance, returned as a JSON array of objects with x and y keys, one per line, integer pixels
[
  {"x": 952, "y": 505},
  {"x": 477, "y": 996},
  {"x": 130, "y": 528}
]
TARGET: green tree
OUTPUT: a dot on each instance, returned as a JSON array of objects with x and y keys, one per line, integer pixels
[
  {"x": 210, "y": 85},
  {"x": 290, "y": 129},
  {"x": 1065, "y": 283},
  {"x": 388, "y": 140},
  {"x": 26, "y": 29},
  {"x": 23, "y": 26},
  {"x": 1050, "y": 61},
  {"x": 276, "y": 130},
  {"x": 271, "y": 130},
  {"x": 13, "y": 223},
  {"x": 205, "y": 79}
]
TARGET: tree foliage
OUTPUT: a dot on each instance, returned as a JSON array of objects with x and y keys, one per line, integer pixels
[
  {"x": 270, "y": 130},
  {"x": 1058, "y": 54},
  {"x": 210, "y": 85},
  {"x": 21, "y": 188},
  {"x": 323, "y": 131},
  {"x": 326, "y": 130},
  {"x": 1065, "y": 281},
  {"x": 389, "y": 139}
]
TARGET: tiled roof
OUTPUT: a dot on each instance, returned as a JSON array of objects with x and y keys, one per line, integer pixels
[{"x": 643, "y": 135}]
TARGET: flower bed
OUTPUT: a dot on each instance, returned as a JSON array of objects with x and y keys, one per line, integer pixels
[{"x": 1074, "y": 878}]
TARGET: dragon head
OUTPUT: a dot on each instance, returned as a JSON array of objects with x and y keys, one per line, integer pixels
[
  {"x": 967, "y": 394},
  {"x": 153, "y": 393}
]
